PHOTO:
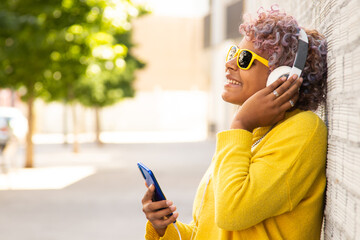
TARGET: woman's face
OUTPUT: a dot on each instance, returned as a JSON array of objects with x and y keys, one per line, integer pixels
[{"x": 242, "y": 84}]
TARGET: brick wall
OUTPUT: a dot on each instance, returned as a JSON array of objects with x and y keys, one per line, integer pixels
[{"x": 339, "y": 21}]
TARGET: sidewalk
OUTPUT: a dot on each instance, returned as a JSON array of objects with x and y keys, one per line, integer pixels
[{"x": 97, "y": 193}]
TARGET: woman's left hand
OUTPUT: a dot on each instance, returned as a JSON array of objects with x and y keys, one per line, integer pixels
[{"x": 268, "y": 106}]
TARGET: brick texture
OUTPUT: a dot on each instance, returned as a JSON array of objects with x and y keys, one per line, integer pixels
[{"x": 339, "y": 21}]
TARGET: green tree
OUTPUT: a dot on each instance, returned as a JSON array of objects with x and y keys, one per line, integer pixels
[
  {"x": 68, "y": 32},
  {"x": 110, "y": 66},
  {"x": 25, "y": 52},
  {"x": 51, "y": 49},
  {"x": 110, "y": 74}
]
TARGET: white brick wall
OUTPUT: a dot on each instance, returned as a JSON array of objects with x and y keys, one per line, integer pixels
[{"x": 339, "y": 21}]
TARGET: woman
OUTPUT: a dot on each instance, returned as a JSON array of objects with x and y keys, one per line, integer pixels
[{"x": 267, "y": 177}]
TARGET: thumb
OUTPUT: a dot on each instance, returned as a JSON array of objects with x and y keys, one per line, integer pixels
[{"x": 149, "y": 194}]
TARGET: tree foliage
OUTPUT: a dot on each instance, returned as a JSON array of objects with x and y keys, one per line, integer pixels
[
  {"x": 68, "y": 50},
  {"x": 111, "y": 67}
]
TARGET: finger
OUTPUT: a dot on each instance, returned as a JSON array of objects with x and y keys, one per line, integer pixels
[
  {"x": 287, "y": 105},
  {"x": 146, "y": 185},
  {"x": 166, "y": 222},
  {"x": 161, "y": 214},
  {"x": 156, "y": 206},
  {"x": 172, "y": 218},
  {"x": 286, "y": 85},
  {"x": 149, "y": 194},
  {"x": 290, "y": 92},
  {"x": 275, "y": 85}
]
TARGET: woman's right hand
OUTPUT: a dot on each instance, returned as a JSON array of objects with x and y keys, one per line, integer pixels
[
  {"x": 158, "y": 212},
  {"x": 264, "y": 108}
]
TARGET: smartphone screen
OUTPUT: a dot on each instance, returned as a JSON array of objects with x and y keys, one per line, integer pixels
[{"x": 150, "y": 179}]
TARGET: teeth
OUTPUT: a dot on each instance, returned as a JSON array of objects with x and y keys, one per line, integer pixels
[{"x": 233, "y": 82}]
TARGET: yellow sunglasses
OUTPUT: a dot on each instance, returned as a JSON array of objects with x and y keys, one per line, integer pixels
[{"x": 245, "y": 57}]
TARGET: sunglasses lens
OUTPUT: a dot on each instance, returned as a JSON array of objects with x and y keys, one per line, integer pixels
[
  {"x": 232, "y": 53},
  {"x": 245, "y": 59}
]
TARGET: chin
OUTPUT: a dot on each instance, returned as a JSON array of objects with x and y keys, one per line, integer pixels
[{"x": 231, "y": 99}]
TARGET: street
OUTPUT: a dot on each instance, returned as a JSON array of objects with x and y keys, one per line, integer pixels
[{"x": 103, "y": 204}]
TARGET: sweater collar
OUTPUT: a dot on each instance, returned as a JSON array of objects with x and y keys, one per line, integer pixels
[{"x": 261, "y": 131}]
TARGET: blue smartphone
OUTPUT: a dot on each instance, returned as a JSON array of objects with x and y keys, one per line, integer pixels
[{"x": 150, "y": 179}]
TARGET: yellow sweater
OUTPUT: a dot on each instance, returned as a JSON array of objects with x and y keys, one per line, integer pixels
[{"x": 273, "y": 191}]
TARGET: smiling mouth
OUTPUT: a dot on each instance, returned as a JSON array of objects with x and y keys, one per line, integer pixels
[{"x": 233, "y": 82}]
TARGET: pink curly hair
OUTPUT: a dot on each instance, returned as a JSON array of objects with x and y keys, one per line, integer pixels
[{"x": 276, "y": 33}]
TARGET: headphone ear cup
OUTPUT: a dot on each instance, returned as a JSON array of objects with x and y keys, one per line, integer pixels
[{"x": 278, "y": 73}]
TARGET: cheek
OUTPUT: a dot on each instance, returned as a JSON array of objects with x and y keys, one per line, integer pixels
[
  {"x": 263, "y": 76},
  {"x": 255, "y": 80},
  {"x": 263, "y": 80}
]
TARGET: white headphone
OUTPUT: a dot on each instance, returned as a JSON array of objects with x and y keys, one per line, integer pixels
[{"x": 299, "y": 63}]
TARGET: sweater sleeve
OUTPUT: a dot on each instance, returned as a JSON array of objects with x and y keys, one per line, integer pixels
[
  {"x": 171, "y": 233},
  {"x": 249, "y": 189}
]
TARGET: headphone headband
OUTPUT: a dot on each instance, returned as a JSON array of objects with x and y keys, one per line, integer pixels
[
  {"x": 299, "y": 62},
  {"x": 301, "y": 54}
]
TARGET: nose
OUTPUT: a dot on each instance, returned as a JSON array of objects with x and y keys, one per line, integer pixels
[{"x": 231, "y": 64}]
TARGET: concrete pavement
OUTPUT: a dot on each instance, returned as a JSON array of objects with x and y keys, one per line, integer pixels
[{"x": 105, "y": 204}]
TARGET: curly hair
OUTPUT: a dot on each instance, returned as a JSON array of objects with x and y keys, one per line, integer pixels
[{"x": 276, "y": 33}]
